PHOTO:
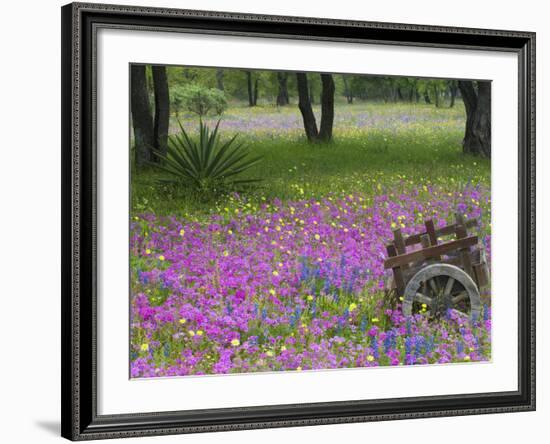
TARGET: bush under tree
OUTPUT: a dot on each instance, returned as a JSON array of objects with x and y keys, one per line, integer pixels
[{"x": 199, "y": 100}]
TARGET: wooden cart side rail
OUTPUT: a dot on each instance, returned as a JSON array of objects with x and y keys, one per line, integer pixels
[
  {"x": 430, "y": 252},
  {"x": 444, "y": 231}
]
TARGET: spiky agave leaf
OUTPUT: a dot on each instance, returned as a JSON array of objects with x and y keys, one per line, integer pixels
[{"x": 206, "y": 159}]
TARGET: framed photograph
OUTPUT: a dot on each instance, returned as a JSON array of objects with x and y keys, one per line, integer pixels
[{"x": 282, "y": 221}]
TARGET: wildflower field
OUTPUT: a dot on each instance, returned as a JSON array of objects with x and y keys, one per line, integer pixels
[{"x": 289, "y": 276}]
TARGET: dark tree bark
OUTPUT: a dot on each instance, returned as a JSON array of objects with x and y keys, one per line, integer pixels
[
  {"x": 249, "y": 88},
  {"x": 393, "y": 90},
  {"x": 282, "y": 95},
  {"x": 141, "y": 115},
  {"x": 311, "y": 95},
  {"x": 304, "y": 104},
  {"x": 453, "y": 90},
  {"x": 412, "y": 93},
  {"x": 436, "y": 96},
  {"x": 255, "y": 100},
  {"x": 399, "y": 93},
  {"x": 477, "y": 101},
  {"x": 162, "y": 110},
  {"x": 327, "y": 108},
  {"x": 324, "y": 134},
  {"x": 347, "y": 90},
  {"x": 219, "y": 80},
  {"x": 427, "y": 97}
]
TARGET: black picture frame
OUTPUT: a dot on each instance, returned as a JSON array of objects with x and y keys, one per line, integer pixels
[{"x": 80, "y": 420}]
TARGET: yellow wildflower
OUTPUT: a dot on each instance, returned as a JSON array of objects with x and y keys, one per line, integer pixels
[
  {"x": 235, "y": 342},
  {"x": 161, "y": 257},
  {"x": 144, "y": 347}
]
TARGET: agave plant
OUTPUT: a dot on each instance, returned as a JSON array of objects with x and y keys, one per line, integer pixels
[{"x": 205, "y": 163}]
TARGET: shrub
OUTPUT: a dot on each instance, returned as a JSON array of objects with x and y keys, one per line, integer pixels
[
  {"x": 206, "y": 163},
  {"x": 199, "y": 100}
]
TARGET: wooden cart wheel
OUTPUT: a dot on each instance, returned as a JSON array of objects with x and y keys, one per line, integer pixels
[{"x": 441, "y": 287}]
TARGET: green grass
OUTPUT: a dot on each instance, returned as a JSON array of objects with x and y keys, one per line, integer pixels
[{"x": 425, "y": 150}]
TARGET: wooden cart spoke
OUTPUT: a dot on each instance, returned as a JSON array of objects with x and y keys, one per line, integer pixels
[
  {"x": 434, "y": 286},
  {"x": 449, "y": 287},
  {"x": 462, "y": 296},
  {"x": 423, "y": 299}
]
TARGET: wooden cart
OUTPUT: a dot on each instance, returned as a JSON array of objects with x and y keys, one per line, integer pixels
[{"x": 432, "y": 275}]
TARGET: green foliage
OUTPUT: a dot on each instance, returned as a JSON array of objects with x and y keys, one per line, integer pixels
[
  {"x": 206, "y": 164},
  {"x": 361, "y": 87},
  {"x": 198, "y": 99}
]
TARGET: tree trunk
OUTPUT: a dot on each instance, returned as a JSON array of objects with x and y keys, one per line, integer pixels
[
  {"x": 256, "y": 91},
  {"x": 453, "y": 89},
  {"x": 399, "y": 94},
  {"x": 249, "y": 88},
  {"x": 304, "y": 104},
  {"x": 282, "y": 95},
  {"x": 311, "y": 95},
  {"x": 219, "y": 79},
  {"x": 162, "y": 109},
  {"x": 477, "y": 101},
  {"x": 436, "y": 95},
  {"x": 411, "y": 94},
  {"x": 427, "y": 97},
  {"x": 327, "y": 108},
  {"x": 141, "y": 115},
  {"x": 347, "y": 90}
]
